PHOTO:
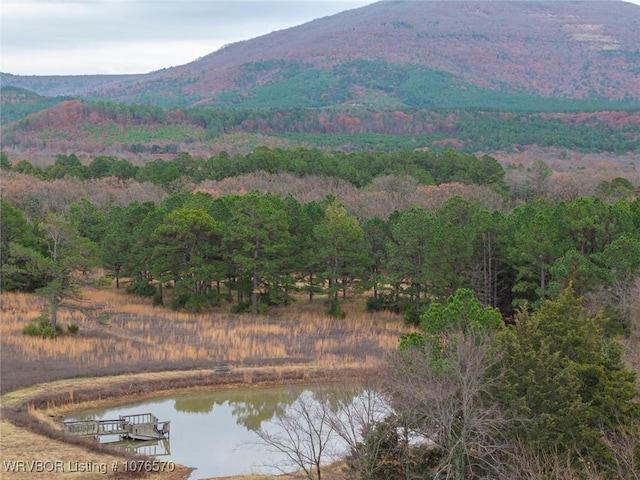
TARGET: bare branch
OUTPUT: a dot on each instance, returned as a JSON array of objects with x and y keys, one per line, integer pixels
[{"x": 447, "y": 402}]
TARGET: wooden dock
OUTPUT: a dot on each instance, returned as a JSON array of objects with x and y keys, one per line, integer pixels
[{"x": 141, "y": 426}]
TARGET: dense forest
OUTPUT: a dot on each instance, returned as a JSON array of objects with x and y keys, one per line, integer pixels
[
  {"x": 193, "y": 250},
  {"x": 360, "y": 169},
  {"x": 137, "y": 131},
  {"x": 518, "y": 306}
]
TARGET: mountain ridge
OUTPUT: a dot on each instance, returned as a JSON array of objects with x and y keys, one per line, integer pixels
[{"x": 567, "y": 49}]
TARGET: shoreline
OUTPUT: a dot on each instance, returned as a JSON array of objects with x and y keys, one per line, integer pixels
[
  {"x": 37, "y": 409},
  {"x": 129, "y": 358}
]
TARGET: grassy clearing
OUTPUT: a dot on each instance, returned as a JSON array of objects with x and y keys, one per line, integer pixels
[
  {"x": 120, "y": 333},
  {"x": 120, "y": 330}
]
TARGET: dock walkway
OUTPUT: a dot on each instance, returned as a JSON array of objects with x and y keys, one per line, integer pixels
[{"x": 141, "y": 426}]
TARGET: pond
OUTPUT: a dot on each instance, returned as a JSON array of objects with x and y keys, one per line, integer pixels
[{"x": 215, "y": 432}]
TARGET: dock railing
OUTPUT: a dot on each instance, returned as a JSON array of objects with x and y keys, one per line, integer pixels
[{"x": 140, "y": 426}]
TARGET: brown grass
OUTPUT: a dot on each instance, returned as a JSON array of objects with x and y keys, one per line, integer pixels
[
  {"x": 120, "y": 333},
  {"x": 41, "y": 449}
]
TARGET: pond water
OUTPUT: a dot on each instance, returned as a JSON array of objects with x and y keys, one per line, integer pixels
[{"x": 215, "y": 432}]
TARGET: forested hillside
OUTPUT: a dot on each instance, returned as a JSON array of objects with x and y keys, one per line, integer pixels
[
  {"x": 472, "y": 53},
  {"x": 144, "y": 131},
  {"x": 495, "y": 281},
  {"x": 482, "y": 77}
]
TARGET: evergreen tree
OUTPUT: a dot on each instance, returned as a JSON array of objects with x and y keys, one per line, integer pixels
[
  {"x": 534, "y": 245},
  {"x": 341, "y": 244},
  {"x": 566, "y": 381},
  {"x": 67, "y": 253},
  {"x": 621, "y": 258},
  {"x": 411, "y": 256},
  {"x": 186, "y": 251},
  {"x": 18, "y": 243},
  {"x": 256, "y": 239}
]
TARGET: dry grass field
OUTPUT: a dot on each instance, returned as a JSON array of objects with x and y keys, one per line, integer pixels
[
  {"x": 126, "y": 348},
  {"x": 121, "y": 333}
]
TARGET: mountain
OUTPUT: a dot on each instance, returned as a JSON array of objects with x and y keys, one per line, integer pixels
[
  {"x": 479, "y": 76},
  {"x": 16, "y": 103},
  {"x": 395, "y": 54}
]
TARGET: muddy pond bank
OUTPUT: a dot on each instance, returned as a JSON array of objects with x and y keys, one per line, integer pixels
[{"x": 38, "y": 409}]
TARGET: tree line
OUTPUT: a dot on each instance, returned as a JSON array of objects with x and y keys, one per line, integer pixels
[
  {"x": 357, "y": 168},
  {"x": 195, "y": 251}
]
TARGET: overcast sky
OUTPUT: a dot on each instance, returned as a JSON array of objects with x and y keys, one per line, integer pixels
[{"x": 62, "y": 37}]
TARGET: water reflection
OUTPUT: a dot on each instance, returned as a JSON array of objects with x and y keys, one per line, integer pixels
[
  {"x": 248, "y": 408},
  {"x": 154, "y": 448},
  {"x": 214, "y": 431}
]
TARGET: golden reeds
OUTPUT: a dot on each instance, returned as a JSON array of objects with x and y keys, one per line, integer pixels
[{"x": 117, "y": 329}]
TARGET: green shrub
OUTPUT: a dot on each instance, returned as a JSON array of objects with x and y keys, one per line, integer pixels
[
  {"x": 40, "y": 327},
  {"x": 244, "y": 307},
  {"x": 412, "y": 316},
  {"x": 335, "y": 310},
  {"x": 385, "y": 302},
  {"x": 32, "y": 330},
  {"x": 73, "y": 328},
  {"x": 104, "y": 319},
  {"x": 157, "y": 299},
  {"x": 275, "y": 297},
  {"x": 49, "y": 332},
  {"x": 144, "y": 289},
  {"x": 247, "y": 307},
  {"x": 202, "y": 301},
  {"x": 374, "y": 304},
  {"x": 103, "y": 283}
]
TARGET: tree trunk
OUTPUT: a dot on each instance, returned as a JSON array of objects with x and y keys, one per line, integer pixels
[
  {"x": 254, "y": 293},
  {"x": 254, "y": 282},
  {"x": 54, "y": 312},
  {"x": 375, "y": 282}
]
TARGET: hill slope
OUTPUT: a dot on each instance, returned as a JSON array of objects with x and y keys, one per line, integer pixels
[{"x": 384, "y": 53}]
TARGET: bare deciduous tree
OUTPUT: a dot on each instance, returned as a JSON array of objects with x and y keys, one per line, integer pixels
[
  {"x": 534, "y": 465},
  {"x": 328, "y": 425},
  {"x": 304, "y": 436},
  {"x": 354, "y": 419},
  {"x": 446, "y": 400}
]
